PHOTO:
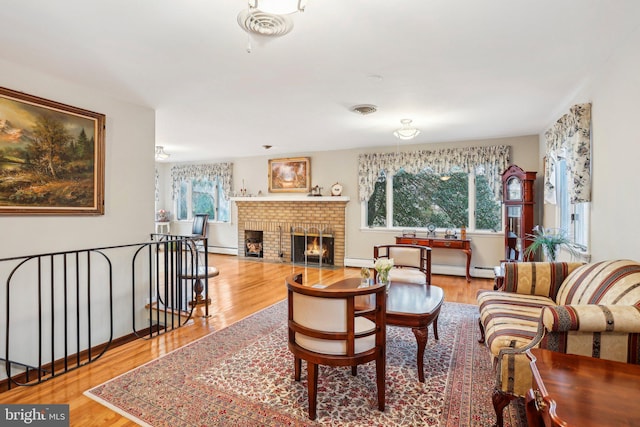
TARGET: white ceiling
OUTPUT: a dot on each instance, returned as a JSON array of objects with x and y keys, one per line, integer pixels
[{"x": 461, "y": 69}]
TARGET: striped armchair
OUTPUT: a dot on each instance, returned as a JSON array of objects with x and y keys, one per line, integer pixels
[{"x": 585, "y": 309}]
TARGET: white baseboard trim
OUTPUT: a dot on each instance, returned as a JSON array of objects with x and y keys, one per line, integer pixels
[
  {"x": 222, "y": 250},
  {"x": 450, "y": 270}
]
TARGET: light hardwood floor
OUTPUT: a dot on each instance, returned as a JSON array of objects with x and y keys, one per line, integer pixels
[{"x": 242, "y": 288}]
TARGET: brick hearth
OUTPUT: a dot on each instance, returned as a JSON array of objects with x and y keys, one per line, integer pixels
[{"x": 275, "y": 216}]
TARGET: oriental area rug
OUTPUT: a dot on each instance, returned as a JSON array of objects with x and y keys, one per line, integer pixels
[{"x": 243, "y": 376}]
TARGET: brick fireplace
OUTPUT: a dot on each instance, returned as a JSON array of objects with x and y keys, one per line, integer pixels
[{"x": 277, "y": 216}]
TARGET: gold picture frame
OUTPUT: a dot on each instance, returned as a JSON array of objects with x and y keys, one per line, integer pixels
[
  {"x": 51, "y": 157},
  {"x": 290, "y": 175}
]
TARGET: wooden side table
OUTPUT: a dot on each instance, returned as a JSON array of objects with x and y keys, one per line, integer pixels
[{"x": 570, "y": 390}]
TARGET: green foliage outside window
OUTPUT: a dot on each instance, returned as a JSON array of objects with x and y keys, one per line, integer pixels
[
  {"x": 425, "y": 198},
  {"x": 488, "y": 210},
  {"x": 202, "y": 197},
  {"x": 377, "y": 205}
]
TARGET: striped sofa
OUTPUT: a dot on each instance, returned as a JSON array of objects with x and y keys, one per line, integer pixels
[{"x": 586, "y": 309}]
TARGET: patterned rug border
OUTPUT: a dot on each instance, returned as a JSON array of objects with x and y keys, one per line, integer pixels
[{"x": 458, "y": 381}]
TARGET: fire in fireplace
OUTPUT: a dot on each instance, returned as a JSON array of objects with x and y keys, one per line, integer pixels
[
  {"x": 312, "y": 247},
  {"x": 253, "y": 243}
]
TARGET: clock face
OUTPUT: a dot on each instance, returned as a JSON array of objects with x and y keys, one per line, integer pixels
[
  {"x": 514, "y": 189},
  {"x": 336, "y": 189}
]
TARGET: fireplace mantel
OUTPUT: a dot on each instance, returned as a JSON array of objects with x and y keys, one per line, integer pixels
[{"x": 292, "y": 199}]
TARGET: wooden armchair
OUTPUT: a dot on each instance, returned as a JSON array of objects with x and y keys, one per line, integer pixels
[
  {"x": 412, "y": 263},
  {"x": 326, "y": 328}
]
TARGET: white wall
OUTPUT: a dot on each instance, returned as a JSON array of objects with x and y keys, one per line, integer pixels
[
  {"x": 615, "y": 231},
  {"x": 129, "y": 195},
  {"x": 614, "y": 92}
]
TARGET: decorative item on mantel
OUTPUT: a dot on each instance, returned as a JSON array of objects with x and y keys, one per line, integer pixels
[
  {"x": 336, "y": 189},
  {"x": 316, "y": 191},
  {"x": 243, "y": 190}
]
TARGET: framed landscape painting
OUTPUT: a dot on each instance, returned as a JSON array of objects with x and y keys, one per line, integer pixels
[
  {"x": 51, "y": 157},
  {"x": 292, "y": 175}
]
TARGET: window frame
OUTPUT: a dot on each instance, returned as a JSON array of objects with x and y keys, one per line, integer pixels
[
  {"x": 471, "y": 211},
  {"x": 573, "y": 218},
  {"x": 189, "y": 200}
]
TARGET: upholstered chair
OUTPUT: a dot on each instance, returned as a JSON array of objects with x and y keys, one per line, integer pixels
[
  {"x": 412, "y": 263},
  {"x": 336, "y": 327}
]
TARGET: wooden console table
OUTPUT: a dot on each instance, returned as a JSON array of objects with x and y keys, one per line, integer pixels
[
  {"x": 570, "y": 390},
  {"x": 463, "y": 245}
]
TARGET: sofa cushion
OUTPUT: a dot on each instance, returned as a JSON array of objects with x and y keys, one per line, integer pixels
[
  {"x": 510, "y": 320},
  {"x": 606, "y": 282},
  {"x": 537, "y": 278},
  {"x": 604, "y": 331}
]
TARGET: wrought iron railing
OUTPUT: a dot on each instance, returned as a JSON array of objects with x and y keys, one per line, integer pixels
[{"x": 60, "y": 307}]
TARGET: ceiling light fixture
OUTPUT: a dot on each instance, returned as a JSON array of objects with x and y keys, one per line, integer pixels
[
  {"x": 269, "y": 18},
  {"x": 160, "y": 154},
  {"x": 406, "y": 131},
  {"x": 364, "y": 109}
]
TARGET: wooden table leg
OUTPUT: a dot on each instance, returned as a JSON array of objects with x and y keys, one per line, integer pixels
[
  {"x": 468, "y": 253},
  {"x": 422, "y": 335}
]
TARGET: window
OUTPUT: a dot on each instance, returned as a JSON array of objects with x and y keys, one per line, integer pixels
[
  {"x": 453, "y": 200},
  {"x": 202, "y": 196},
  {"x": 573, "y": 217}
]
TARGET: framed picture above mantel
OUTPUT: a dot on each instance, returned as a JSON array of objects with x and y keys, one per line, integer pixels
[
  {"x": 51, "y": 157},
  {"x": 290, "y": 175}
]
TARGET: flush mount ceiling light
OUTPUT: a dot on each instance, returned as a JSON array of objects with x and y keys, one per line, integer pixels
[
  {"x": 160, "y": 154},
  {"x": 364, "y": 109},
  {"x": 406, "y": 131},
  {"x": 269, "y": 18}
]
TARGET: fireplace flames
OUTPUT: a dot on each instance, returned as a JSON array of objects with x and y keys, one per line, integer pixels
[
  {"x": 313, "y": 249},
  {"x": 254, "y": 248}
]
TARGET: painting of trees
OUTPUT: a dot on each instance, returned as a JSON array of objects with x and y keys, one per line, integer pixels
[{"x": 51, "y": 157}]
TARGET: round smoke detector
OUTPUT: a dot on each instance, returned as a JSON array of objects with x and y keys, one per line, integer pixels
[
  {"x": 364, "y": 109},
  {"x": 264, "y": 24}
]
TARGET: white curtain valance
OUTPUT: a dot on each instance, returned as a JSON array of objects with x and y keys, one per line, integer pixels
[
  {"x": 209, "y": 171},
  {"x": 570, "y": 138},
  {"x": 490, "y": 161}
]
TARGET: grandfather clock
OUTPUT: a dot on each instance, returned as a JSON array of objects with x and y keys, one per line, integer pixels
[{"x": 517, "y": 193}]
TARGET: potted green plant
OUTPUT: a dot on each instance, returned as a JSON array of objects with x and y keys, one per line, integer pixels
[{"x": 550, "y": 240}]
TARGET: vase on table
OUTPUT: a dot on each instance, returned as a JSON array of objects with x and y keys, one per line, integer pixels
[
  {"x": 383, "y": 266},
  {"x": 383, "y": 278}
]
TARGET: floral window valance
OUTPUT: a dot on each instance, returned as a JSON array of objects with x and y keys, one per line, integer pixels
[
  {"x": 570, "y": 138},
  {"x": 157, "y": 185},
  {"x": 491, "y": 160},
  {"x": 210, "y": 171}
]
